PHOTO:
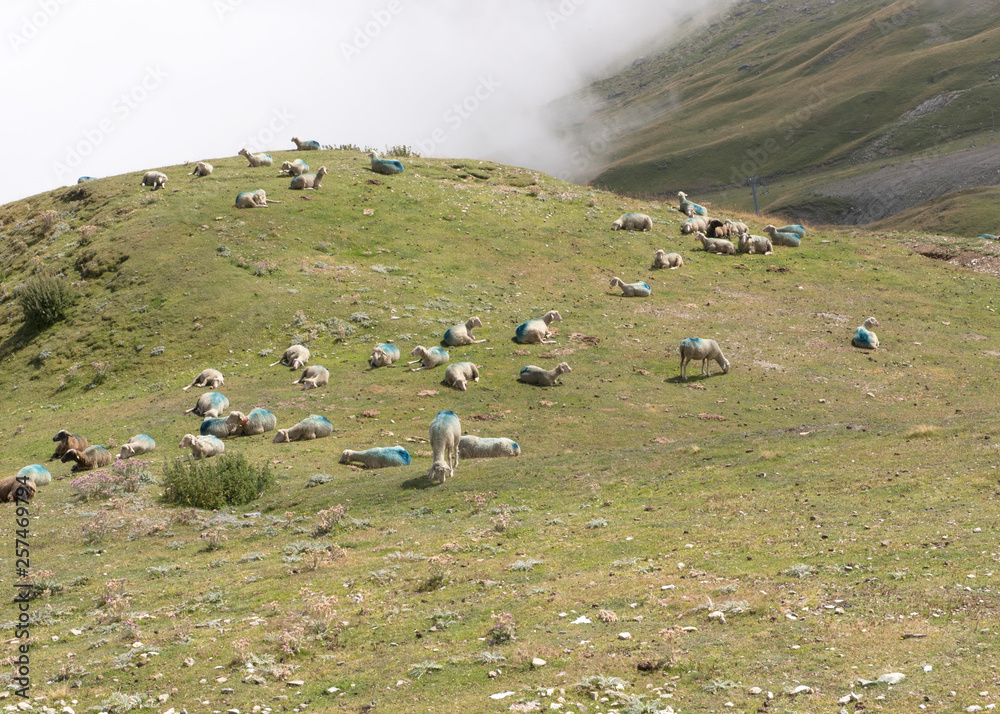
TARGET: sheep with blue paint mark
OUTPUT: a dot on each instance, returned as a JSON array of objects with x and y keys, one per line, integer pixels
[
  {"x": 202, "y": 447},
  {"x": 37, "y": 473},
  {"x": 690, "y": 208},
  {"x": 481, "y": 447},
  {"x": 662, "y": 259},
  {"x": 313, "y": 377},
  {"x": 387, "y": 167},
  {"x": 795, "y": 228},
  {"x": 293, "y": 168},
  {"x": 256, "y": 422},
  {"x": 543, "y": 377},
  {"x": 383, "y": 355},
  {"x": 209, "y": 379},
  {"x": 458, "y": 375},
  {"x": 380, "y": 457},
  {"x": 633, "y": 222},
  {"x": 639, "y": 289},
  {"x": 93, "y": 457},
  {"x": 156, "y": 179},
  {"x": 255, "y": 160},
  {"x": 705, "y": 350},
  {"x": 308, "y": 181},
  {"x": 312, "y": 427},
  {"x": 445, "y": 435},
  {"x": 209, "y": 404},
  {"x": 864, "y": 337},
  {"x": 536, "y": 330},
  {"x": 67, "y": 441},
  {"x": 459, "y": 335},
  {"x": 138, "y": 444},
  {"x": 428, "y": 358},
  {"x": 754, "y": 244},
  {"x": 202, "y": 168},
  {"x": 215, "y": 426},
  {"x": 788, "y": 239},
  {"x": 295, "y": 357},
  {"x": 85, "y": 179},
  {"x": 309, "y": 145}
]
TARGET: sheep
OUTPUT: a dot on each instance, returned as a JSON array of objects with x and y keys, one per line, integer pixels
[
  {"x": 459, "y": 335},
  {"x": 537, "y": 329},
  {"x": 202, "y": 447},
  {"x": 864, "y": 337},
  {"x": 459, "y": 374},
  {"x": 256, "y": 422},
  {"x": 36, "y": 473},
  {"x": 445, "y": 433},
  {"x": 795, "y": 228},
  {"x": 308, "y": 181},
  {"x": 209, "y": 379},
  {"x": 476, "y": 447},
  {"x": 694, "y": 224},
  {"x": 787, "y": 239},
  {"x": 428, "y": 358},
  {"x": 93, "y": 457},
  {"x": 295, "y": 357},
  {"x": 312, "y": 427},
  {"x": 67, "y": 441},
  {"x": 716, "y": 245},
  {"x": 215, "y": 426},
  {"x": 698, "y": 348},
  {"x": 632, "y": 289},
  {"x": 11, "y": 490},
  {"x": 718, "y": 229},
  {"x": 253, "y": 199},
  {"x": 381, "y": 457},
  {"x": 85, "y": 179},
  {"x": 543, "y": 377},
  {"x": 690, "y": 208},
  {"x": 156, "y": 179},
  {"x": 383, "y": 355},
  {"x": 138, "y": 444},
  {"x": 209, "y": 404},
  {"x": 202, "y": 168},
  {"x": 255, "y": 160},
  {"x": 737, "y": 227},
  {"x": 663, "y": 259},
  {"x": 633, "y": 222},
  {"x": 313, "y": 377},
  {"x": 294, "y": 168},
  {"x": 305, "y": 145},
  {"x": 754, "y": 244},
  {"x": 385, "y": 166}
]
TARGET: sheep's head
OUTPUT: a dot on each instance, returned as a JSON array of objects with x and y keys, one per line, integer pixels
[
  {"x": 186, "y": 441},
  {"x": 724, "y": 363},
  {"x": 345, "y": 458},
  {"x": 563, "y": 367},
  {"x": 870, "y": 323},
  {"x": 61, "y": 435},
  {"x": 615, "y": 281},
  {"x": 683, "y": 196},
  {"x": 440, "y": 471},
  {"x": 322, "y": 172},
  {"x": 127, "y": 450},
  {"x": 553, "y": 316},
  {"x": 617, "y": 225},
  {"x": 281, "y": 436},
  {"x": 418, "y": 351},
  {"x": 474, "y": 322},
  {"x": 71, "y": 455}
]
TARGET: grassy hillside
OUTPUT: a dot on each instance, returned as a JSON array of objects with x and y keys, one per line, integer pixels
[{"x": 839, "y": 508}]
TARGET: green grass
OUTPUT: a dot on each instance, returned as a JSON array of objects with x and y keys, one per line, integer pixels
[{"x": 657, "y": 500}]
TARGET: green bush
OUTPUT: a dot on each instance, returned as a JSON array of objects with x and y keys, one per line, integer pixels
[
  {"x": 223, "y": 481},
  {"x": 44, "y": 300}
]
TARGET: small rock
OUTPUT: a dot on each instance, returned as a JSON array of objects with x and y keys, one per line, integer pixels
[
  {"x": 624, "y": 635},
  {"x": 294, "y": 683},
  {"x": 892, "y": 678},
  {"x": 501, "y": 695},
  {"x": 226, "y": 690},
  {"x": 188, "y": 662},
  {"x": 755, "y": 691},
  {"x": 538, "y": 662},
  {"x": 974, "y": 708},
  {"x": 581, "y": 620},
  {"x": 801, "y": 689},
  {"x": 928, "y": 668}
]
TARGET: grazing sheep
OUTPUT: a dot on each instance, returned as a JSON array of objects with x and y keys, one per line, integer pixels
[
  {"x": 754, "y": 244},
  {"x": 85, "y": 179},
  {"x": 446, "y": 433},
  {"x": 294, "y": 168},
  {"x": 67, "y": 441},
  {"x": 138, "y": 444},
  {"x": 462, "y": 334},
  {"x": 9, "y": 487},
  {"x": 476, "y": 447},
  {"x": 716, "y": 245},
  {"x": 633, "y": 222},
  {"x": 202, "y": 168},
  {"x": 784, "y": 238},
  {"x": 209, "y": 404},
  {"x": 256, "y": 160},
  {"x": 93, "y": 457},
  {"x": 305, "y": 145},
  {"x": 690, "y": 208},
  {"x": 215, "y": 426},
  {"x": 202, "y": 447},
  {"x": 694, "y": 224},
  {"x": 295, "y": 357},
  {"x": 537, "y": 330},
  {"x": 459, "y": 374},
  {"x": 632, "y": 289},
  {"x": 38, "y": 474},
  {"x": 253, "y": 199},
  {"x": 209, "y": 379},
  {"x": 543, "y": 377},
  {"x": 312, "y": 427},
  {"x": 667, "y": 260},
  {"x": 310, "y": 181},
  {"x": 697, "y": 348},
  {"x": 314, "y": 376},
  {"x": 383, "y": 355},
  {"x": 864, "y": 337},
  {"x": 428, "y": 358},
  {"x": 256, "y": 422},
  {"x": 385, "y": 166},
  {"x": 156, "y": 179},
  {"x": 381, "y": 457}
]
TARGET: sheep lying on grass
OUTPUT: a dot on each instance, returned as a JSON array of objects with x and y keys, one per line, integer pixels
[
  {"x": 9, "y": 490},
  {"x": 705, "y": 350},
  {"x": 445, "y": 434},
  {"x": 209, "y": 404},
  {"x": 312, "y": 427},
  {"x": 536, "y": 331},
  {"x": 477, "y": 447},
  {"x": 202, "y": 447},
  {"x": 255, "y": 160},
  {"x": 38, "y": 474},
  {"x": 864, "y": 337},
  {"x": 632, "y": 289},
  {"x": 93, "y": 457},
  {"x": 663, "y": 259},
  {"x": 310, "y": 145},
  {"x": 313, "y": 377},
  {"x": 754, "y": 244},
  {"x": 294, "y": 168},
  {"x": 459, "y": 335},
  {"x": 458, "y": 375},
  {"x": 295, "y": 357},
  {"x": 694, "y": 224},
  {"x": 720, "y": 246},
  {"x": 795, "y": 228},
  {"x": 428, "y": 358},
  {"x": 253, "y": 199},
  {"x": 787, "y": 239},
  {"x": 85, "y": 179},
  {"x": 202, "y": 168},
  {"x": 156, "y": 179},
  {"x": 690, "y": 208},
  {"x": 256, "y": 422},
  {"x": 67, "y": 441},
  {"x": 138, "y": 444},
  {"x": 383, "y": 355},
  {"x": 387, "y": 167},
  {"x": 633, "y": 222},
  {"x": 381, "y": 457},
  {"x": 543, "y": 377},
  {"x": 308, "y": 181},
  {"x": 215, "y": 426},
  {"x": 209, "y": 379},
  {"x": 736, "y": 228}
]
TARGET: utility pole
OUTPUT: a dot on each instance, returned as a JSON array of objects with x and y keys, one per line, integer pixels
[{"x": 753, "y": 182}]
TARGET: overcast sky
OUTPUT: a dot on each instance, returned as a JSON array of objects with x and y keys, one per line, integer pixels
[{"x": 103, "y": 88}]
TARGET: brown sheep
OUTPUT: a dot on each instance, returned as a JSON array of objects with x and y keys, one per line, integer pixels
[
  {"x": 9, "y": 486},
  {"x": 67, "y": 441}
]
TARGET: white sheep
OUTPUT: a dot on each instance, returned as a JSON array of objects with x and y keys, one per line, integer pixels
[
  {"x": 690, "y": 208},
  {"x": 383, "y": 355},
  {"x": 633, "y": 222},
  {"x": 387, "y": 167},
  {"x": 716, "y": 245},
  {"x": 295, "y": 357},
  {"x": 380, "y": 457},
  {"x": 253, "y": 199},
  {"x": 209, "y": 404},
  {"x": 255, "y": 160},
  {"x": 67, "y": 441},
  {"x": 543, "y": 377},
  {"x": 202, "y": 168},
  {"x": 209, "y": 378},
  {"x": 705, "y": 350},
  {"x": 458, "y": 375},
  {"x": 694, "y": 224},
  {"x": 256, "y": 422},
  {"x": 312, "y": 427},
  {"x": 202, "y": 447},
  {"x": 537, "y": 330},
  {"x": 309, "y": 181},
  {"x": 294, "y": 168},
  {"x": 138, "y": 444},
  {"x": 93, "y": 457},
  {"x": 313, "y": 377},
  {"x": 445, "y": 434},
  {"x": 156, "y": 179},
  {"x": 459, "y": 335},
  {"x": 36, "y": 473},
  {"x": 215, "y": 426},
  {"x": 662, "y": 259},
  {"x": 754, "y": 244},
  {"x": 310, "y": 145},
  {"x": 632, "y": 289},
  {"x": 788, "y": 239},
  {"x": 736, "y": 227},
  {"x": 477, "y": 447},
  {"x": 428, "y": 358},
  {"x": 864, "y": 337}
]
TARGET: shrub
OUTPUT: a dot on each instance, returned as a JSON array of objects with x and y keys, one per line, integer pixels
[
  {"x": 44, "y": 300},
  {"x": 226, "y": 481}
]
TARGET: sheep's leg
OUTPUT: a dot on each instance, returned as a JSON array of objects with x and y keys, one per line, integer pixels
[
  {"x": 413, "y": 361},
  {"x": 684, "y": 362}
]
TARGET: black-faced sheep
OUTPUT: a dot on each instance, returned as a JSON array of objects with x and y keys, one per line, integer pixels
[
  {"x": 93, "y": 457},
  {"x": 67, "y": 441},
  {"x": 9, "y": 487}
]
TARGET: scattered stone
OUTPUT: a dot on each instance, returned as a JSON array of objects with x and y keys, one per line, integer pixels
[
  {"x": 188, "y": 662},
  {"x": 295, "y": 683},
  {"x": 974, "y": 708},
  {"x": 538, "y": 662},
  {"x": 928, "y": 668},
  {"x": 892, "y": 678},
  {"x": 581, "y": 620},
  {"x": 755, "y": 691},
  {"x": 501, "y": 695},
  {"x": 801, "y": 689},
  {"x": 624, "y": 635}
]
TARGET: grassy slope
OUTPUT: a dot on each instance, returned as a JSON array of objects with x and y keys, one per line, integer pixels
[{"x": 873, "y": 469}]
